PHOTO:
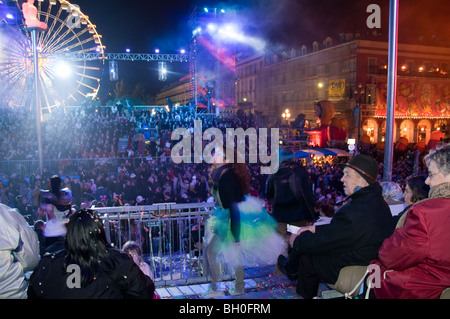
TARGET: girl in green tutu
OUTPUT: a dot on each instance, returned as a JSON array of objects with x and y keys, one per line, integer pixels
[{"x": 241, "y": 230}]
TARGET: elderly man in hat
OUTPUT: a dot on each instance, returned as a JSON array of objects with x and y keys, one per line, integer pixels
[{"x": 353, "y": 236}]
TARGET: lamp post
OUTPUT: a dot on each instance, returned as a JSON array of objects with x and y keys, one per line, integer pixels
[
  {"x": 34, "y": 43},
  {"x": 392, "y": 89},
  {"x": 286, "y": 115}
]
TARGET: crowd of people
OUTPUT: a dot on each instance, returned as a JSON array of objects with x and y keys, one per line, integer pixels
[
  {"x": 145, "y": 174},
  {"x": 74, "y": 136},
  {"x": 154, "y": 178},
  {"x": 84, "y": 133}
]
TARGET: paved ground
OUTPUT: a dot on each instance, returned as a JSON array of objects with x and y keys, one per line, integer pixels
[{"x": 260, "y": 283}]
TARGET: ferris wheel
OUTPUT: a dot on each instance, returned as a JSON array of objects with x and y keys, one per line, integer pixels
[{"x": 62, "y": 81}]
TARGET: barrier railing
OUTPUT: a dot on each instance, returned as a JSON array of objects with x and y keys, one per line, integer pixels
[{"x": 170, "y": 235}]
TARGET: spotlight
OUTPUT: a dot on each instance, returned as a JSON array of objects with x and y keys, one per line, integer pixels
[
  {"x": 9, "y": 16},
  {"x": 211, "y": 27},
  {"x": 156, "y": 51},
  {"x": 63, "y": 70},
  {"x": 127, "y": 50}
]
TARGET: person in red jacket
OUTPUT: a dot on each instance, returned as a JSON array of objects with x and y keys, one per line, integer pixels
[{"x": 415, "y": 261}]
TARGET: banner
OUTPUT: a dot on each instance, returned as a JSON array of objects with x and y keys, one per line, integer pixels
[
  {"x": 336, "y": 88},
  {"x": 416, "y": 98}
]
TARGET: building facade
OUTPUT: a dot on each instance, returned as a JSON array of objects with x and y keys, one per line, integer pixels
[{"x": 353, "y": 76}]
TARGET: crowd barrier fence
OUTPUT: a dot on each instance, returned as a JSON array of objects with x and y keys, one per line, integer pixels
[{"x": 171, "y": 237}]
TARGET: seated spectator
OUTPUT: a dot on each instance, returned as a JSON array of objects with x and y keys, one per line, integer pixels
[
  {"x": 415, "y": 190},
  {"x": 326, "y": 213},
  {"x": 19, "y": 253},
  {"x": 89, "y": 268},
  {"x": 415, "y": 260},
  {"x": 353, "y": 236}
]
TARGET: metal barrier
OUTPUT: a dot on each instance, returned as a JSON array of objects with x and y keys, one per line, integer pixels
[{"x": 170, "y": 235}]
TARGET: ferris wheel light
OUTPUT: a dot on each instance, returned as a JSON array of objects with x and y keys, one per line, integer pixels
[{"x": 63, "y": 70}]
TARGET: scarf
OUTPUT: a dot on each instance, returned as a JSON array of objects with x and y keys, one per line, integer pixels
[{"x": 438, "y": 191}]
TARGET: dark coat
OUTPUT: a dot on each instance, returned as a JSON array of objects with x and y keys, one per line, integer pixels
[
  {"x": 49, "y": 280},
  {"x": 293, "y": 207},
  {"x": 353, "y": 236}
]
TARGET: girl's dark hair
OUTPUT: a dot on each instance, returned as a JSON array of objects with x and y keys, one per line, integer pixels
[
  {"x": 241, "y": 172},
  {"x": 55, "y": 184},
  {"x": 86, "y": 245},
  {"x": 418, "y": 188}
]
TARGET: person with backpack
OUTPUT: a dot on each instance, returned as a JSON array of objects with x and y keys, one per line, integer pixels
[{"x": 289, "y": 194}]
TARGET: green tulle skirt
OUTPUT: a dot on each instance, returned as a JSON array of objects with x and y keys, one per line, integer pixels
[{"x": 260, "y": 244}]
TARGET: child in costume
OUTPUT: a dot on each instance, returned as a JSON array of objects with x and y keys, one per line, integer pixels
[{"x": 241, "y": 230}]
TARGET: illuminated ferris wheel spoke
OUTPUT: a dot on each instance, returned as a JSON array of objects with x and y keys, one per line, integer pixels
[
  {"x": 70, "y": 47},
  {"x": 86, "y": 85},
  {"x": 55, "y": 37},
  {"x": 52, "y": 25},
  {"x": 56, "y": 48},
  {"x": 81, "y": 93},
  {"x": 46, "y": 20},
  {"x": 88, "y": 76},
  {"x": 88, "y": 67},
  {"x": 44, "y": 93},
  {"x": 76, "y": 36},
  {"x": 71, "y": 96}
]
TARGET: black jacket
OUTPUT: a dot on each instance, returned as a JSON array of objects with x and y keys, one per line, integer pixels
[
  {"x": 353, "y": 236},
  {"x": 294, "y": 207},
  {"x": 228, "y": 194},
  {"x": 49, "y": 280}
]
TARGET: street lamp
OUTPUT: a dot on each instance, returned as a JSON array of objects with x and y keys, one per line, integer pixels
[{"x": 286, "y": 115}]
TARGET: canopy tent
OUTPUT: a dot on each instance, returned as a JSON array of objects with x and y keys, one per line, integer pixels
[
  {"x": 320, "y": 152},
  {"x": 338, "y": 152}
]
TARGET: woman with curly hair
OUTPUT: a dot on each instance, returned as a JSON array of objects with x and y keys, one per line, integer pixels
[{"x": 241, "y": 229}]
